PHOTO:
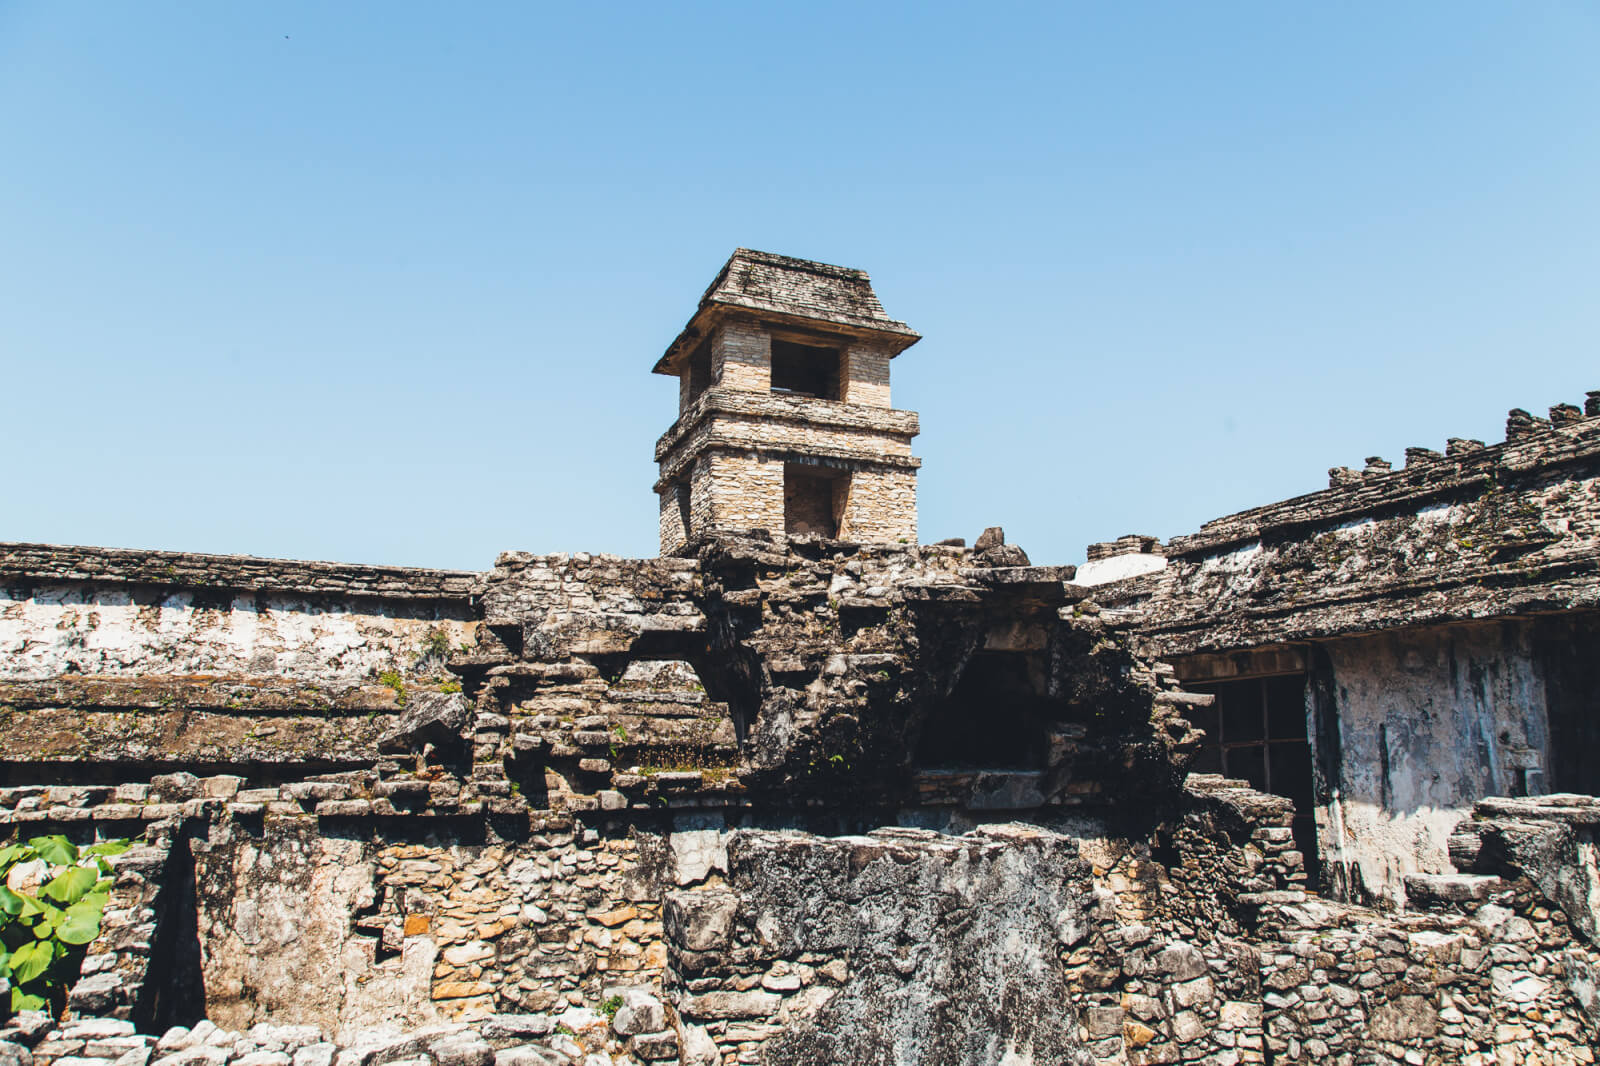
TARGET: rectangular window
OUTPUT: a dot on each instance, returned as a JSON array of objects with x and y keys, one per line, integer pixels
[
  {"x": 1257, "y": 731},
  {"x": 684, "y": 510},
  {"x": 813, "y": 499},
  {"x": 805, "y": 369},
  {"x": 699, "y": 370}
]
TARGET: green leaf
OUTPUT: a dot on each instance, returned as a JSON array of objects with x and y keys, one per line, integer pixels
[
  {"x": 108, "y": 847},
  {"x": 33, "y": 907},
  {"x": 5, "y": 961},
  {"x": 10, "y": 902},
  {"x": 21, "y": 1001},
  {"x": 31, "y": 961},
  {"x": 69, "y": 886},
  {"x": 9, "y": 855},
  {"x": 81, "y": 923},
  {"x": 56, "y": 850}
]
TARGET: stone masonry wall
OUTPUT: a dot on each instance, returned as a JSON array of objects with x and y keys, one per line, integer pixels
[
  {"x": 172, "y": 658},
  {"x": 741, "y": 356},
  {"x": 1190, "y": 940},
  {"x": 667, "y": 816},
  {"x": 1476, "y": 532},
  {"x": 864, "y": 377},
  {"x": 883, "y": 507}
]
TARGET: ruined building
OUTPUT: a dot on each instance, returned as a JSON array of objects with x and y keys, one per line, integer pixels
[
  {"x": 1310, "y": 785},
  {"x": 1397, "y": 647}
]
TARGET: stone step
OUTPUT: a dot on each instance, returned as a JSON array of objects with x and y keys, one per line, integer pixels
[{"x": 1423, "y": 890}]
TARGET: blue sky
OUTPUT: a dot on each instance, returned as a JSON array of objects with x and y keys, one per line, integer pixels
[{"x": 384, "y": 282}]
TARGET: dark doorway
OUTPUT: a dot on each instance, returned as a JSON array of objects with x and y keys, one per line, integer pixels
[
  {"x": 699, "y": 371},
  {"x": 1567, "y": 650},
  {"x": 1257, "y": 731},
  {"x": 995, "y": 718}
]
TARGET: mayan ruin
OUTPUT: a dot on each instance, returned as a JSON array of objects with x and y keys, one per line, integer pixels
[{"x": 1316, "y": 783}]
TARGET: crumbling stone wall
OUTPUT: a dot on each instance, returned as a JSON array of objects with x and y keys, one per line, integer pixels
[
  {"x": 663, "y": 786},
  {"x": 1443, "y": 614},
  {"x": 175, "y": 660}
]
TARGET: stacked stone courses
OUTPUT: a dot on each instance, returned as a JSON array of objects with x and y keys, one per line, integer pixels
[
  {"x": 736, "y": 441},
  {"x": 1481, "y": 531}
]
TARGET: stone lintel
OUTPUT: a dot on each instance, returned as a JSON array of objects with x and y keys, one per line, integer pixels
[
  {"x": 795, "y": 410},
  {"x": 852, "y": 459}
]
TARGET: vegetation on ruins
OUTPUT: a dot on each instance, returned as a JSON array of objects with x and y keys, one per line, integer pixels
[
  {"x": 392, "y": 679},
  {"x": 43, "y": 933}
]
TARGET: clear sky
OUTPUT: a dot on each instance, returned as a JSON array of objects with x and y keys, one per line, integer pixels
[{"x": 384, "y": 282}]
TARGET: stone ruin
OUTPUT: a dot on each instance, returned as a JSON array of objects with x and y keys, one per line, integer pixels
[{"x": 793, "y": 795}]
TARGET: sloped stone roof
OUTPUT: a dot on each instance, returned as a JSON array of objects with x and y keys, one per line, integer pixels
[{"x": 789, "y": 289}]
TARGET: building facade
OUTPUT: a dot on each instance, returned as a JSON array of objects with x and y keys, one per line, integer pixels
[{"x": 1395, "y": 648}]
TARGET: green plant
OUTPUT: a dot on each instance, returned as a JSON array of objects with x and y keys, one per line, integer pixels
[
  {"x": 392, "y": 679},
  {"x": 610, "y": 1007},
  {"x": 42, "y": 936},
  {"x": 450, "y": 686},
  {"x": 436, "y": 645}
]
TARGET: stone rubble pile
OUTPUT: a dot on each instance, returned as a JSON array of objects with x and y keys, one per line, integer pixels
[{"x": 635, "y": 1028}]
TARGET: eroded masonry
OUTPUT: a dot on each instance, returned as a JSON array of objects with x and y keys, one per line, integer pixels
[{"x": 1313, "y": 784}]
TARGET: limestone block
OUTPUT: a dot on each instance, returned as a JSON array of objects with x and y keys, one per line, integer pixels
[{"x": 699, "y": 921}]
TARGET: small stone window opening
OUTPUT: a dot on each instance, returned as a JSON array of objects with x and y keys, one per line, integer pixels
[
  {"x": 805, "y": 370},
  {"x": 814, "y": 499},
  {"x": 1257, "y": 731},
  {"x": 699, "y": 371},
  {"x": 685, "y": 512}
]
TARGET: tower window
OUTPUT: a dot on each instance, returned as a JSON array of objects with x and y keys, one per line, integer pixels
[
  {"x": 699, "y": 371},
  {"x": 814, "y": 498},
  {"x": 685, "y": 511},
  {"x": 805, "y": 370}
]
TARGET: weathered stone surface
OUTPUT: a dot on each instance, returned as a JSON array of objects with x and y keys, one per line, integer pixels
[
  {"x": 641, "y": 786},
  {"x": 429, "y": 717},
  {"x": 977, "y": 921}
]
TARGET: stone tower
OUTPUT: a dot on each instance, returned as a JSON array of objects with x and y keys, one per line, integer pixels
[{"x": 784, "y": 420}]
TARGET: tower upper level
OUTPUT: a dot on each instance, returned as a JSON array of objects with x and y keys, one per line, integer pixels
[{"x": 784, "y": 420}]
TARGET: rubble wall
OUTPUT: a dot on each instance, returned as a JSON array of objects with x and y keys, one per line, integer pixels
[{"x": 682, "y": 791}]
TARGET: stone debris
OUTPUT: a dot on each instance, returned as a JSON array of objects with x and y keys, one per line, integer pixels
[{"x": 501, "y": 1039}]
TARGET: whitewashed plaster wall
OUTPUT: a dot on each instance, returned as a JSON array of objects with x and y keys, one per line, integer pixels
[
  {"x": 1429, "y": 722},
  {"x": 80, "y": 628}
]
